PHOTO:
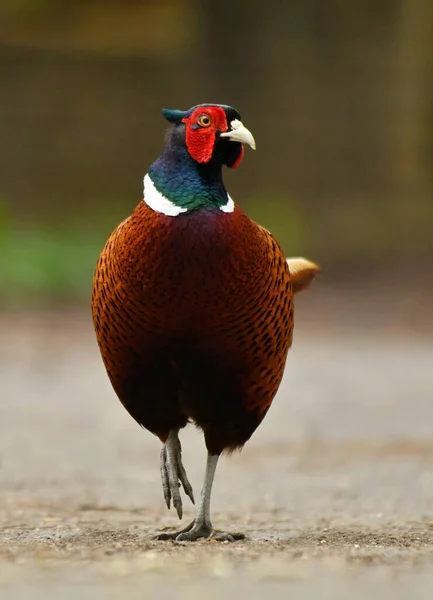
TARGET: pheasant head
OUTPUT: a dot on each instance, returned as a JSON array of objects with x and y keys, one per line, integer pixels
[{"x": 187, "y": 175}]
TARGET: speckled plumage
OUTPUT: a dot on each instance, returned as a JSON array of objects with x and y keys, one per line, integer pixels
[{"x": 194, "y": 318}]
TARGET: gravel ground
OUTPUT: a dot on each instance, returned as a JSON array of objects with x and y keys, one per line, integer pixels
[{"x": 334, "y": 491}]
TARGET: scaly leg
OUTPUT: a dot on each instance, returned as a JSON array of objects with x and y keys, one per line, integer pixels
[
  {"x": 201, "y": 527},
  {"x": 173, "y": 471}
]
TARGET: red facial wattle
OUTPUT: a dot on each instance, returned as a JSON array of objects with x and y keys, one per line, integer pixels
[
  {"x": 200, "y": 141},
  {"x": 239, "y": 158}
]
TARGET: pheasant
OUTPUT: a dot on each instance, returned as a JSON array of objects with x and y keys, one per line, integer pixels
[{"x": 192, "y": 304}]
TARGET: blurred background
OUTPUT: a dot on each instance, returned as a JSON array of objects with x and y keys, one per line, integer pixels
[{"x": 339, "y": 96}]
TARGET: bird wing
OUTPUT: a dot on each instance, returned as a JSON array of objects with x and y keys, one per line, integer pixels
[{"x": 302, "y": 271}]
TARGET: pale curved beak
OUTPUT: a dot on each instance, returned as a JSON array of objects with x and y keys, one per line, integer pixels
[{"x": 239, "y": 133}]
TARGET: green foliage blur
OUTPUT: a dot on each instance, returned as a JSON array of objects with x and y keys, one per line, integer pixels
[{"x": 46, "y": 265}]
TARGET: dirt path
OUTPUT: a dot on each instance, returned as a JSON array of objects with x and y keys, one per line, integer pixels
[{"x": 334, "y": 492}]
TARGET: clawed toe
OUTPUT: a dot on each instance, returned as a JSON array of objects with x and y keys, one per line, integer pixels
[
  {"x": 193, "y": 531},
  {"x": 172, "y": 535},
  {"x": 173, "y": 473},
  {"x": 197, "y": 531}
]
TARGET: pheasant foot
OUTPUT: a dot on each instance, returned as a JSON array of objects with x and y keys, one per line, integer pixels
[
  {"x": 173, "y": 472},
  {"x": 198, "y": 530}
]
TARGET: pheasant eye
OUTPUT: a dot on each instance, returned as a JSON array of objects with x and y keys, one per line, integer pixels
[{"x": 204, "y": 121}]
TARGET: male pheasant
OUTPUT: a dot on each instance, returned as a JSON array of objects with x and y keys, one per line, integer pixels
[{"x": 193, "y": 303}]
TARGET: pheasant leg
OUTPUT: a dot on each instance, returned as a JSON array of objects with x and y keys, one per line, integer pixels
[
  {"x": 201, "y": 527},
  {"x": 173, "y": 472}
]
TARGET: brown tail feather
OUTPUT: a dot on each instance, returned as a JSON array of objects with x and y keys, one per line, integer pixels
[{"x": 303, "y": 272}]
